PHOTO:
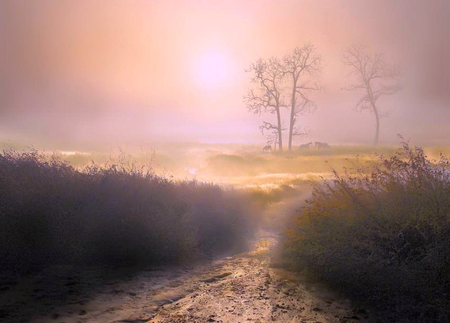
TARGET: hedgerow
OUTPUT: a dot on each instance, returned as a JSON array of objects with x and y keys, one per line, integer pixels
[
  {"x": 382, "y": 235},
  {"x": 51, "y": 213}
]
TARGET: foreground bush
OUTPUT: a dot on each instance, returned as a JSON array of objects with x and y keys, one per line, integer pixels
[
  {"x": 51, "y": 213},
  {"x": 383, "y": 236}
]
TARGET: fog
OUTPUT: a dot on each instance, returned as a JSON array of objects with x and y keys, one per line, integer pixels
[{"x": 77, "y": 73}]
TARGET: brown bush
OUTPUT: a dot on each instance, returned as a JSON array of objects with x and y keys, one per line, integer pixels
[
  {"x": 382, "y": 235},
  {"x": 51, "y": 213}
]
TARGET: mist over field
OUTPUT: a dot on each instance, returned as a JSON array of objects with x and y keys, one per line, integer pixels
[{"x": 224, "y": 161}]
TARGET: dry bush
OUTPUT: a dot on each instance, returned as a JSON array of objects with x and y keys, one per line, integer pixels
[
  {"x": 382, "y": 235},
  {"x": 51, "y": 213}
]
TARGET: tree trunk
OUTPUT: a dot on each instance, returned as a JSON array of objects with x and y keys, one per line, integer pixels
[
  {"x": 292, "y": 116},
  {"x": 377, "y": 130},
  {"x": 291, "y": 126},
  {"x": 375, "y": 112},
  {"x": 280, "y": 137}
]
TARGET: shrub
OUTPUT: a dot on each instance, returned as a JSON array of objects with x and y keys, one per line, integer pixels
[
  {"x": 382, "y": 235},
  {"x": 51, "y": 213}
]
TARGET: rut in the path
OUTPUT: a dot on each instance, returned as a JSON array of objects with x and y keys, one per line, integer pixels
[
  {"x": 236, "y": 289},
  {"x": 246, "y": 289}
]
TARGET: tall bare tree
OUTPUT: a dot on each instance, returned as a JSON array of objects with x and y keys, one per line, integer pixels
[
  {"x": 375, "y": 77},
  {"x": 300, "y": 68},
  {"x": 284, "y": 83},
  {"x": 266, "y": 96}
]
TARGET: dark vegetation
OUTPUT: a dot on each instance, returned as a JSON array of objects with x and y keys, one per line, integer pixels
[
  {"x": 121, "y": 215},
  {"x": 382, "y": 235}
]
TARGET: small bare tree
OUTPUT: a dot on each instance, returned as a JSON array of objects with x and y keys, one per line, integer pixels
[
  {"x": 375, "y": 77},
  {"x": 272, "y": 139},
  {"x": 267, "y": 75},
  {"x": 300, "y": 68}
]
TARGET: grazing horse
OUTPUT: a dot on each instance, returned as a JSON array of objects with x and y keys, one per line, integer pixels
[
  {"x": 305, "y": 145},
  {"x": 267, "y": 148},
  {"x": 321, "y": 145}
]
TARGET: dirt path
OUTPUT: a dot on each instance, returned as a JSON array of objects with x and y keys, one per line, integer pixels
[{"x": 235, "y": 289}]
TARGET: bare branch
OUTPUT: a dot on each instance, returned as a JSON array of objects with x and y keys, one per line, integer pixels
[
  {"x": 267, "y": 126},
  {"x": 301, "y": 67}
]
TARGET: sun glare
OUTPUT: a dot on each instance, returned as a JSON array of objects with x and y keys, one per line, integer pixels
[{"x": 212, "y": 69}]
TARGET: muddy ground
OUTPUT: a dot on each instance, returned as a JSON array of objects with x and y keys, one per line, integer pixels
[{"x": 243, "y": 288}]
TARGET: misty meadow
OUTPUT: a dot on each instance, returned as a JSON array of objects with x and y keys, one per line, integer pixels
[{"x": 224, "y": 161}]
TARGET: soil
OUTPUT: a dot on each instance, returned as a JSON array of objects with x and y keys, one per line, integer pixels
[{"x": 242, "y": 288}]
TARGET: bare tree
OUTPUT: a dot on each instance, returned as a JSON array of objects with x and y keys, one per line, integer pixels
[
  {"x": 266, "y": 96},
  {"x": 375, "y": 77},
  {"x": 300, "y": 68},
  {"x": 284, "y": 83}
]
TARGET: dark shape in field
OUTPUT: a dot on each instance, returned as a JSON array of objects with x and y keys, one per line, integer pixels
[
  {"x": 321, "y": 145},
  {"x": 308, "y": 145},
  {"x": 267, "y": 148}
]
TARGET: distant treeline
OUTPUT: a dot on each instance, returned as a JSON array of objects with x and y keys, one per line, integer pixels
[
  {"x": 51, "y": 213},
  {"x": 382, "y": 236}
]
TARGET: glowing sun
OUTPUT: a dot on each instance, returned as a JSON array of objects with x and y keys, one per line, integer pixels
[{"x": 212, "y": 69}]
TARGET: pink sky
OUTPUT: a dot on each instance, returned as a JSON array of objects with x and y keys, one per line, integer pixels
[{"x": 136, "y": 70}]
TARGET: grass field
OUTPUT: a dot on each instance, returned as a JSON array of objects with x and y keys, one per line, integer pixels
[{"x": 237, "y": 165}]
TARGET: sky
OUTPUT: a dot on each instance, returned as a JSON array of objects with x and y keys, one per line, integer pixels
[{"x": 74, "y": 72}]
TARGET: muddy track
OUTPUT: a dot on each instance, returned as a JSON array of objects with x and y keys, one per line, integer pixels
[{"x": 243, "y": 288}]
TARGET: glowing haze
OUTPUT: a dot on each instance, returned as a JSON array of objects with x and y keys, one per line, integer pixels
[{"x": 85, "y": 71}]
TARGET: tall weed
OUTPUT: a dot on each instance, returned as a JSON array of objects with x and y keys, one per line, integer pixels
[
  {"x": 51, "y": 213},
  {"x": 382, "y": 234}
]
